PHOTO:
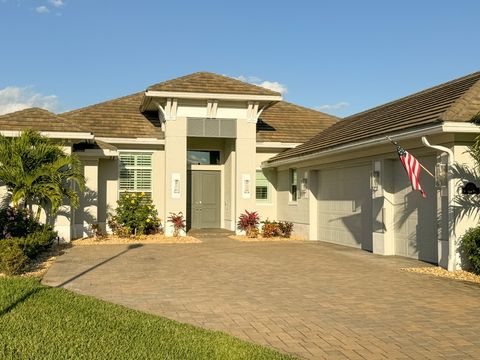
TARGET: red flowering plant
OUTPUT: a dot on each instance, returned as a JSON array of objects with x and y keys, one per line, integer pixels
[
  {"x": 178, "y": 222},
  {"x": 248, "y": 222}
]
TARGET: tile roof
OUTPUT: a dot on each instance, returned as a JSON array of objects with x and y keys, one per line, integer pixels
[
  {"x": 206, "y": 82},
  {"x": 118, "y": 118},
  {"x": 37, "y": 119},
  {"x": 456, "y": 100},
  {"x": 286, "y": 122}
]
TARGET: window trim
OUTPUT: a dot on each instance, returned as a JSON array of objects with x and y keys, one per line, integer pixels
[
  {"x": 135, "y": 167},
  {"x": 268, "y": 200},
  {"x": 293, "y": 173}
]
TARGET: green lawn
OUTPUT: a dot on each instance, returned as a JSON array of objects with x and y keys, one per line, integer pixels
[{"x": 38, "y": 322}]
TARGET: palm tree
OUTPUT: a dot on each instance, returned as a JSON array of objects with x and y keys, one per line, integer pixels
[
  {"x": 37, "y": 171},
  {"x": 468, "y": 205}
]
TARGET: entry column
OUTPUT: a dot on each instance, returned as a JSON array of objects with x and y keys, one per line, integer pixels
[
  {"x": 175, "y": 169},
  {"x": 245, "y": 149}
]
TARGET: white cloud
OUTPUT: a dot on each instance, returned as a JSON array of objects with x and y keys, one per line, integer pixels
[
  {"x": 57, "y": 3},
  {"x": 42, "y": 9},
  {"x": 272, "y": 85},
  {"x": 15, "y": 98},
  {"x": 333, "y": 107}
]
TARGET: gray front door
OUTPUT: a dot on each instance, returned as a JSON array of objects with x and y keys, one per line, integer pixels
[{"x": 203, "y": 199}]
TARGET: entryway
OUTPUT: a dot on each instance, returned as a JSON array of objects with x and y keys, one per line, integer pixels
[{"x": 203, "y": 199}]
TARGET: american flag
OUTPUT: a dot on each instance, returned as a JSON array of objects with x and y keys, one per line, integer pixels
[{"x": 412, "y": 167}]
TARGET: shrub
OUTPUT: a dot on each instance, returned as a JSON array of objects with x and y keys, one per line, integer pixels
[
  {"x": 248, "y": 222},
  {"x": 137, "y": 214},
  {"x": 270, "y": 229},
  {"x": 33, "y": 244},
  {"x": 286, "y": 228},
  {"x": 178, "y": 222},
  {"x": 12, "y": 257},
  {"x": 117, "y": 228},
  {"x": 16, "y": 222},
  {"x": 97, "y": 231},
  {"x": 470, "y": 245}
]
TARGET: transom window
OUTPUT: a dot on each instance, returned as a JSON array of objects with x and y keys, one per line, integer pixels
[
  {"x": 203, "y": 157},
  {"x": 135, "y": 173},
  {"x": 262, "y": 187}
]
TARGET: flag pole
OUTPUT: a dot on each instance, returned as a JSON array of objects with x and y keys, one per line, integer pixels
[{"x": 423, "y": 167}]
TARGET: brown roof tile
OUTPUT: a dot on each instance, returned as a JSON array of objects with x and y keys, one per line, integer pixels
[
  {"x": 456, "y": 100},
  {"x": 206, "y": 82},
  {"x": 286, "y": 122},
  {"x": 37, "y": 119},
  {"x": 118, "y": 118}
]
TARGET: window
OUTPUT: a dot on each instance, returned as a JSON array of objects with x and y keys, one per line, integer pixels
[
  {"x": 293, "y": 185},
  {"x": 203, "y": 157},
  {"x": 262, "y": 187},
  {"x": 135, "y": 173}
]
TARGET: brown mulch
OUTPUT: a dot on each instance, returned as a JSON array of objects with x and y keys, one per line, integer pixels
[
  {"x": 143, "y": 239},
  {"x": 440, "y": 272},
  {"x": 258, "y": 239}
]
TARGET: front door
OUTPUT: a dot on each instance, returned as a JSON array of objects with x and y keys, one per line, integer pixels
[{"x": 203, "y": 206}]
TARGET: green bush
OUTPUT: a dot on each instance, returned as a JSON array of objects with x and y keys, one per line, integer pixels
[
  {"x": 33, "y": 244},
  {"x": 15, "y": 222},
  {"x": 470, "y": 246},
  {"x": 12, "y": 257},
  {"x": 136, "y": 213}
]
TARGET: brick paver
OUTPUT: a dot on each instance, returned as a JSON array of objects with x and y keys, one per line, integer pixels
[{"x": 315, "y": 300}]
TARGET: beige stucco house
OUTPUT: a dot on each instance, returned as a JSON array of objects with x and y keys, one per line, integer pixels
[
  {"x": 195, "y": 144},
  {"x": 212, "y": 146}
]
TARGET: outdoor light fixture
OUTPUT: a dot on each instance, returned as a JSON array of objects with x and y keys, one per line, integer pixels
[
  {"x": 374, "y": 180},
  {"x": 441, "y": 178}
]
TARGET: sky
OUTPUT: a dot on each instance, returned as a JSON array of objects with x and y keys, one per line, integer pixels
[{"x": 340, "y": 57}]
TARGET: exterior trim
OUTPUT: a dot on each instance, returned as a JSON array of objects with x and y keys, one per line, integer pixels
[
  {"x": 210, "y": 96},
  {"x": 134, "y": 141},
  {"x": 276, "y": 145},
  {"x": 53, "y": 134}
]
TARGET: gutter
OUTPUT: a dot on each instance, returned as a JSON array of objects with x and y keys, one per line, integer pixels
[
  {"x": 452, "y": 240},
  {"x": 446, "y": 127},
  {"x": 54, "y": 134}
]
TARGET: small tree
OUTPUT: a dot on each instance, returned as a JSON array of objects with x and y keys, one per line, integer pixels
[
  {"x": 38, "y": 172},
  {"x": 136, "y": 213}
]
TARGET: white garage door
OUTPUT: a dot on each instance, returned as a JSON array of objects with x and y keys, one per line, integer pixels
[
  {"x": 345, "y": 207},
  {"x": 415, "y": 217}
]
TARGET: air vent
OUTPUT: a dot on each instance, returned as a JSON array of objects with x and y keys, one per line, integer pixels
[{"x": 200, "y": 127}]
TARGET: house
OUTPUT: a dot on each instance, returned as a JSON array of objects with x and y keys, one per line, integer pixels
[
  {"x": 194, "y": 144},
  {"x": 212, "y": 147},
  {"x": 347, "y": 186}
]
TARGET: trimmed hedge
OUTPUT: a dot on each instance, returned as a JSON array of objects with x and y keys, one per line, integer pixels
[{"x": 16, "y": 252}]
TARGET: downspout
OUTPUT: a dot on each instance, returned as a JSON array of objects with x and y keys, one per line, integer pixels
[{"x": 451, "y": 233}]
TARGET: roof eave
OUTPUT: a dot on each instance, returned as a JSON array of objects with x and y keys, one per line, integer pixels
[
  {"x": 446, "y": 127},
  {"x": 216, "y": 96}
]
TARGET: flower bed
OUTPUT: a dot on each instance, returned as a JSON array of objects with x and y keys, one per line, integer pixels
[
  {"x": 265, "y": 239},
  {"x": 141, "y": 239}
]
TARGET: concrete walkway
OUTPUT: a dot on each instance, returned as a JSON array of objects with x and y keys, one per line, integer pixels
[{"x": 314, "y": 300}]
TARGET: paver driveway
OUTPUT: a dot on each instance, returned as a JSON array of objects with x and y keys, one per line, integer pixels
[{"x": 312, "y": 299}]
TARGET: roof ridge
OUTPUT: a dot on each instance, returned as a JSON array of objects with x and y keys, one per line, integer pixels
[
  {"x": 424, "y": 91},
  {"x": 215, "y": 75}
]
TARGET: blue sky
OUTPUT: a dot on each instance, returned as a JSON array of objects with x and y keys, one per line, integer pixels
[{"x": 338, "y": 56}]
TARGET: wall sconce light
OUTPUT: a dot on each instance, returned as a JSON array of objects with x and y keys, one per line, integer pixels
[{"x": 374, "y": 180}]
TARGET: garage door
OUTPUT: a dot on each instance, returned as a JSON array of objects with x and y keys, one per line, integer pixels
[
  {"x": 345, "y": 207},
  {"x": 415, "y": 217}
]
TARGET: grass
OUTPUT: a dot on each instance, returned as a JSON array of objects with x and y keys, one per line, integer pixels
[{"x": 39, "y": 322}]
